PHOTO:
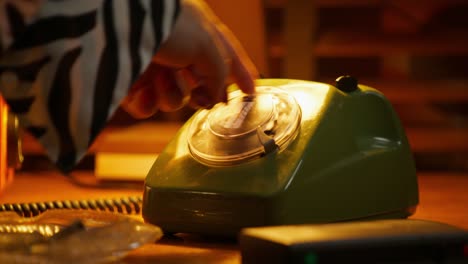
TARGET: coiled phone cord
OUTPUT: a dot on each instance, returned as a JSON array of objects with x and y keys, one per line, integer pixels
[{"x": 125, "y": 205}]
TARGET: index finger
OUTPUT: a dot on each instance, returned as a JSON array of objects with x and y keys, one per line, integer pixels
[
  {"x": 212, "y": 67},
  {"x": 242, "y": 70}
]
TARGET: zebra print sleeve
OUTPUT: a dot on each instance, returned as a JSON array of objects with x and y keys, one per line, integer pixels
[{"x": 66, "y": 65}]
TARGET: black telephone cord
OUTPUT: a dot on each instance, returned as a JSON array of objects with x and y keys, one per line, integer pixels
[{"x": 124, "y": 205}]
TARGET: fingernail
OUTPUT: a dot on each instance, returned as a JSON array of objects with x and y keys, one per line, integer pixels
[
  {"x": 183, "y": 86},
  {"x": 145, "y": 102}
]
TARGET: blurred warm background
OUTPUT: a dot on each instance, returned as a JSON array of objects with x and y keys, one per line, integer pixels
[{"x": 415, "y": 52}]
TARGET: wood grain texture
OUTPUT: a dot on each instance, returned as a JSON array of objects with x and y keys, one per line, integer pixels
[{"x": 443, "y": 198}]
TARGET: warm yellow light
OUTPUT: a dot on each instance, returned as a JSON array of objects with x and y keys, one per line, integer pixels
[
  {"x": 311, "y": 97},
  {"x": 109, "y": 166},
  {"x": 181, "y": 148},
  {"x": 3, "y": 144}
]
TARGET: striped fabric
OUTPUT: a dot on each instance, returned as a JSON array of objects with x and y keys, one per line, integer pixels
[{"x": 65, "y": 65}]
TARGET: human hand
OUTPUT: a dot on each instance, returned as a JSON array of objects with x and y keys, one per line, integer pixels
[{"x": 194, "y": 65}]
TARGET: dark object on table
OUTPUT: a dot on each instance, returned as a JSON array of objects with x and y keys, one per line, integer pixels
[{"x": 380, "y": 241}]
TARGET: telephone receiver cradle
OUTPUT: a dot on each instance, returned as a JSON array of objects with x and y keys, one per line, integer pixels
[{"x": 296, "y": 152}]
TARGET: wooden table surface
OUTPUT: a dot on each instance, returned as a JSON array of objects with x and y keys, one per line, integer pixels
[{"x": 443, "y": 198}]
